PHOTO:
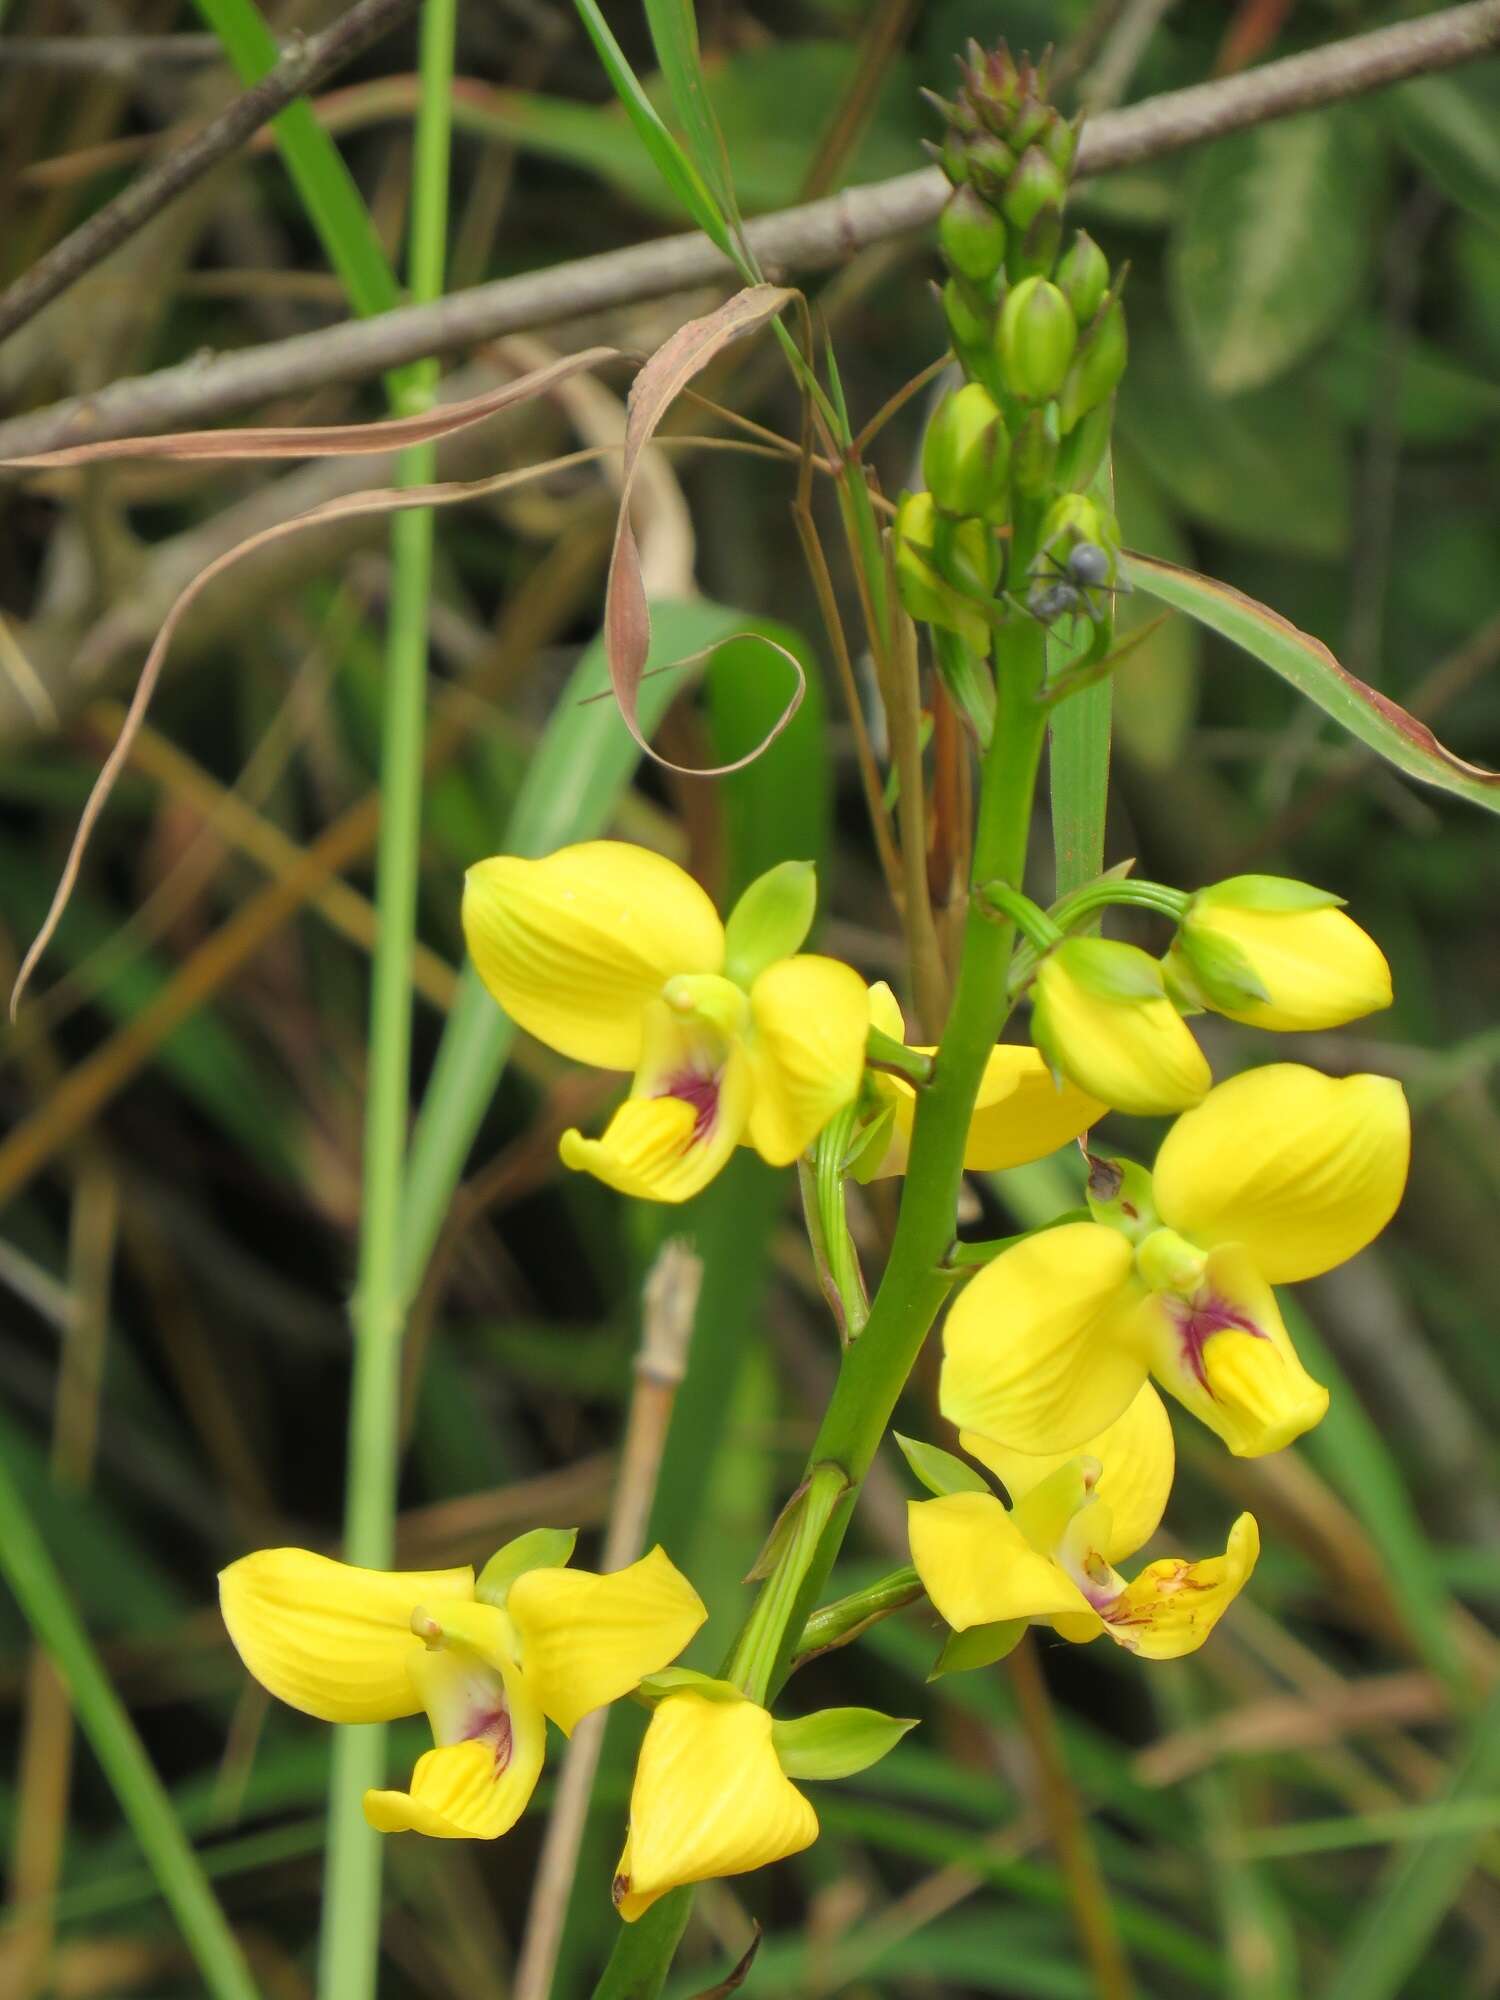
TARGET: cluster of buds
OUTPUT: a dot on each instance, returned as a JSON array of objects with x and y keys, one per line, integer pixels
[{"x": 1040, "y": 334}]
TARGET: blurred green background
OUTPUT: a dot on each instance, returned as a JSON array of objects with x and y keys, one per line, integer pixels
[{"x": 1312, "y": 412}]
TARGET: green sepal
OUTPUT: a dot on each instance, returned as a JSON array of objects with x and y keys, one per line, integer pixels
[
  {"x": 1182, "y": 989},
  {"x": 980, "y": 1646},
  {"x": 836, "y": 1742},
  {"x": 1120, "y": 1195},
  {"x": 771, "y": 920},
  {"x": 679, "y": 1680},
  {"x": 939, "y": 1471},
  {"x": 541, "y": 1548},
  {"x": 1111, "y": 970},
  {"x": 1219, "y": 968},
  {"x": 1275, "y": 893}
]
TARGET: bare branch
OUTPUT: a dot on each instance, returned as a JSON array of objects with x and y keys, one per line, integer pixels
[
  {"x": 304, "y": 66},
  {"x": 812, "y": 237}
]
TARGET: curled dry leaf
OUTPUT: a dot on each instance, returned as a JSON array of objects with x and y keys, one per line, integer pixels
[
  {"x": 627, "y": 617},
  {"x": 311, "y": 442}
]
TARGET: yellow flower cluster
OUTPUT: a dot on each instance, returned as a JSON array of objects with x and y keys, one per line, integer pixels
[{"x": 734, "y": 1036}]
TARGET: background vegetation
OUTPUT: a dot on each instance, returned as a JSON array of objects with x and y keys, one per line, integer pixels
[{"x": 1312, "y": 412}]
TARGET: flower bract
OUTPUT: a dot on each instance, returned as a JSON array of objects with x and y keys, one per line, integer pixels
[
  {"x": 358, "y": 1645},
  {"x": 1280, "y": 1174},
  {"x": 710, "y": 1798},
  {"x": 614, "y": 956},
  {"x": 1051, "y": 1556}
]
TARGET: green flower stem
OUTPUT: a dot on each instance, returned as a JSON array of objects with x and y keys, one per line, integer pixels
[
  {"x": 970, "y": 1256},
  {"x": 43, "y": 1598},
  {"x": 350, "y": 1941},
  {"x": 884, "y": 1052},
  {"x": 754, "y": 1661},
  {"x": 846, "y": 1618},
  {"x": 1033, "y": 922},
  {"x": 876, "y": 1366},
  {"x": 1072, "y": 910}
]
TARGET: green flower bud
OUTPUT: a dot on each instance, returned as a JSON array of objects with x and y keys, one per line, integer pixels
[
  {"x": 1100, "y": 363},
  {"x": 926, "y": 592},
  {"x": 971, "y": 236},
  {"x": 1037, "y": 337},
  {"x": 1083, "y": 277},
  {"x": 970, "y": 326},
  {"x": 988, "y": 165},
  {"x": 770, "y": 921},
  {"x": 1033, "y": 456},
  {"x": 1034, "y": 186},
  {"x": 966, "y": 456},
  {"x": 1074, "y": 518}
]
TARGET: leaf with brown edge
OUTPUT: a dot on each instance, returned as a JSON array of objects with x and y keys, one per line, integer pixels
[
  {"x": 627, "y": 617},
  {"x": 325, "y": 440},
  {"x": 1307, "y": 665}
]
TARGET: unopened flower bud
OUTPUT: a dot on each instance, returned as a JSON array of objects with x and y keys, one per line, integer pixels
[
  {"x": 1278, "y": 954},
  {"x": 1100, "y": 1015},
  {"x": 1083, "y": 277},
  {"x": 988, "y": 165},
  {"x": 1035, "y": 185},
  {"x": 971, "y": 236},
  {"x": 1037, "y": 337},
  {"x": 968, "y": 323},
  {"x": 966, "y": 456},
  {"x": 922, "y": 585},
  {"x": 1097, "y": 369}
]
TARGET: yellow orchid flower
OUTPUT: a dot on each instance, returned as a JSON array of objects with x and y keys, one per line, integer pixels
[
  {"x": 1022, "y": 1112},
  {"x": 360, "y": 1645},
  {"x": 710, "y": 1798},
  {"x": 1277, "y": 954},
  {"x": 614, "y": 956},
  {"x": 1101, "y": 1016},
  {"x": 1280, "y": 1174},
  {"x": 1051, "y": 1556}
]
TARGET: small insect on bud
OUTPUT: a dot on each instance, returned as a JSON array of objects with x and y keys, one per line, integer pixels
[
  {"x": 966, "y": 456},
  {"x": 1037, "y": 337},
  {"x": 971, "y": 236},
  {"x": 1083, "y": 277}
]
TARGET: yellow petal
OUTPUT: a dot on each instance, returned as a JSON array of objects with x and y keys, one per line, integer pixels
[
  {"x": 978, "y": 1568},
  {"x": 1020, "y": 1114},
  {"x": 1226, "y": 1356},
  {"x": 460, "y": 1791},
  {"x": 1301, "y": 1168},
  {"x": 1173, "y": 1605},
  {"x": 669, "y": 1148},
  {"x": 1136, "y": 1457},
  {"x": 586, "y": 1640},
  {"x": 330, "y": 1639},
  {"x": 885, "y": 1012},
  {"x": 811, "y": 1017},
  {"x": 1040, "y": 1351},
  {"x": 1317, "y": 966},
  {"x": 1135, "y": 1053},
  {"x": 709, "y": 1799},
  {"x": 574, "y": 946}
]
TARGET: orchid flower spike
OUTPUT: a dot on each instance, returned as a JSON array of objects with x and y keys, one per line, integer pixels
[
  {"x": 1022, "y": 1112},
  {"x": 1280, "y": 1174},
  {"x": 614, "y": 956},
  {"x": 1050, "y": 1558},
  {"x": 488, "y": 1661}
]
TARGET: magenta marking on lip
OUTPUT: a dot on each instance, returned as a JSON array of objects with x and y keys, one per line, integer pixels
[
  {"x": 493, "y": 1727},
  {"x": 702, "y": 1092},
  {"x": 1197, "y": 1320}
]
